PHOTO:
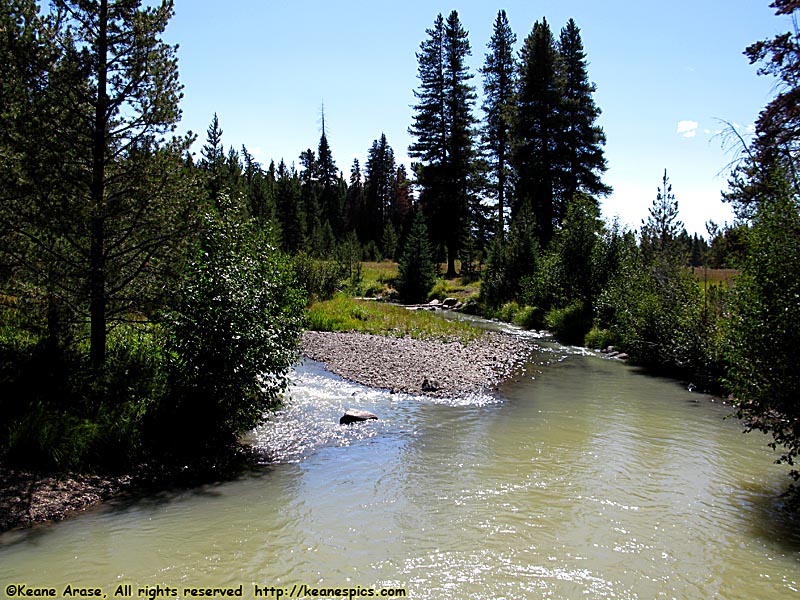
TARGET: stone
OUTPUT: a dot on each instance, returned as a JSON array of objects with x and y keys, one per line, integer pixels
[
  {"x": 429, "y": 385},
  {"x": 353, "y": 415},
  {"x": 449, "y": 302}
]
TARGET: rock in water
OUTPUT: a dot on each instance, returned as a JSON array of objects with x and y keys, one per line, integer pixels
[
  {"x": 352, "y": 415},
  {"x": 429, "y": 385}
]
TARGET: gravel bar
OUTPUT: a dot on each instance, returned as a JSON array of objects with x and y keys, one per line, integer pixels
[{"x": 435, "y": 368}]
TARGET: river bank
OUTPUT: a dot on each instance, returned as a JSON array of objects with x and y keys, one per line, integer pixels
[{"x": 432, "y": 367}]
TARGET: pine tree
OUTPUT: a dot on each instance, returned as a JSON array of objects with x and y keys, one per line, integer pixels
[
  {"x": 416, "y": 270},
  {"x": 379, "y": 187},
  {"x": 499, "y": 86},
  {"x": 537, "y": 157},
  {"x": 111, "y": 100},
  {"x": 213, "y": 160},
  {"x": 661, "y": 231},
  {"x": 583, "y": 140},
  {"x": 443, "y": 126},
  {"x": 288, "y": 205},
  {"x": 402, "y": 200},
  {"x": 330, "y": 200},
  {"x": 354, "y": 204}
]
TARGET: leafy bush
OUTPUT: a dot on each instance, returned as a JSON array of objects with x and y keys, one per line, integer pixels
[
  {"x": 528, "y": 317},
  {"x": 599, "y": 338},
  {"x": 764, "y": 330},
  {"x": 61, "y": 414},
  {"x": 507, "y": 312},
  {"x": 440, "y": 290},
  {"x": 570, "y": 323},
  {"x": 320, "y": 279},
  {"x": 234, "y": 334}
]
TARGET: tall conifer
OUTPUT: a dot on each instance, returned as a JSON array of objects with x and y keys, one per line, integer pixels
[
  {"x": 499, "y": 86},
  {"x": 583, "y": 138},
  {"x": 538, "y": 123},
  {"x": 444, "y": 128}
]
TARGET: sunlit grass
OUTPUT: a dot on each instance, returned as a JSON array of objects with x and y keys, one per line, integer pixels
[
  {"x": 719, "y": 277},
  {"x": 347, "y": 314}
]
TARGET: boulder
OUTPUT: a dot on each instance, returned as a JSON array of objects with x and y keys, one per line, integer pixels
[
  {"x": 429, "y": 385},
  {"x": 449, "y": 302},
  {"x": 353, "y": 415}
]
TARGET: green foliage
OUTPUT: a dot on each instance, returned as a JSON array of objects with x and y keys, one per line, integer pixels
[
  {"x": 320, "y": 279},
  {"x": 528, "y": 317},
  {"x": 764, "y": 329},
  {"x": 510, "y": 262},
  {"x": 389, "y": 242},
  {"x": 443, "y": 128},
  {"x": 59, "y": 414},
  {"x": 499, "y": 86},
  {"x": 416, "y": 271},
  {"x": 599, "y": 338},
  {"x": 570, "y": 323},
  {"x": 234, "y": 334}
]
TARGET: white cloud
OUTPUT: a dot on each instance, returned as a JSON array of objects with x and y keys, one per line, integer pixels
[{"x": 687, "y": 129}]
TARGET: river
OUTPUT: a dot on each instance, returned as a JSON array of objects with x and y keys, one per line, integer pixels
[{"x": 581, "y": 478}]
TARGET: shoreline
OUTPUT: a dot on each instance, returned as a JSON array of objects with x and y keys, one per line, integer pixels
[{"x": 437, "y": 368}]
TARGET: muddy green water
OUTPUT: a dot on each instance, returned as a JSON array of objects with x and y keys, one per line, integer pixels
[{"x": 589, "y": 481}]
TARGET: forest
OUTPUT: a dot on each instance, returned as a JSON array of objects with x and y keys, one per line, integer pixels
[{"x": 146, "y": 291}]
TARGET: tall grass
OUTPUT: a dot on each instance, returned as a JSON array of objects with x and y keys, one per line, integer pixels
[{"x": 347, "y": 314}]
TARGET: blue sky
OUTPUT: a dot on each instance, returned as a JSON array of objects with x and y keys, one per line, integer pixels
[{"x": 667, "y": 74}]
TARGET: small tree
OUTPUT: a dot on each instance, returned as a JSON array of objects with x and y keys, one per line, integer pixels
[
  {"x": 764, "y": 330},
  {"x": 234, "y": 332},
  {"x": 417, "y": 273}
]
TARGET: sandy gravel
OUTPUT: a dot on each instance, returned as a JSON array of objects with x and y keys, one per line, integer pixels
[{"x": 418, "y": 366}]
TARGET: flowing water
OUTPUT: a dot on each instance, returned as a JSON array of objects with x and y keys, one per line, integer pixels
[{"x": 583, "y": 478}]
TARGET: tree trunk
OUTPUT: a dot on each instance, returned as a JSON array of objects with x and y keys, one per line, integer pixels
[
  {"x": 451, "y": 265},
  {"x": 97, "y": 258}
]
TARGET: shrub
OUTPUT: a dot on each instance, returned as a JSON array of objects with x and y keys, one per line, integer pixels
[
  {"x": 599, "y": 338},
  {"x": 506, "y": 312},
  {"x": 234, "y": 335},
  {"x": 320, "y": 279},
  {"x": 528, "y": 317},
  {"x": 570, "y": 323}
]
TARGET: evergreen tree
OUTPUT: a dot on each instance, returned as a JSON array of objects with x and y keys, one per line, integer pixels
[
  {"x": 288, "y": 205},
  {"x": 259, "y": 188},
  {"x": 661, "y": 232},
  {"x": 213, "y": 160},
  {"x": 312, "y": 209},
  {"x": 116, "y": 216},
  {"x": 330, "y": 199},
  {"x": 403, "y": 200},
  {"x": 379, "y": 187},
  {"x": 354, "y": 204},
  {"x": 777, "y": 137},
  {"x": 233, "y": 173},
  {"x": 416, "y": 271},
  {"x": 583, "y": 140},
  {"x": 538, "y": 122},
  {"x": 499, "y": 86},
  {"x": 443, "y": 125}
]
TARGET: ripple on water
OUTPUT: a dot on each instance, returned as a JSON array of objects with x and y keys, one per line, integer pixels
[{"x": 309, "y": 419}]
